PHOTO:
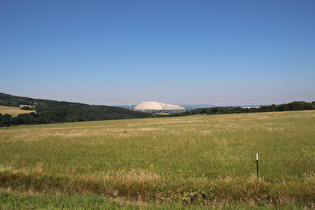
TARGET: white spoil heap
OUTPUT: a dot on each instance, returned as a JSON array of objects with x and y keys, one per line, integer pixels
[{"x": 153, "y": 105}]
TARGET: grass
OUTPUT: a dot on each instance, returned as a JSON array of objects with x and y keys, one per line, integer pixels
[
  {"x": 13, "y": 111},
  {"x": 194, "y": 161}
]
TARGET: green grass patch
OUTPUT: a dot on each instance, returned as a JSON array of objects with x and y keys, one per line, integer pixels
[
  {"x": 192, "y": 161},
  {"x": 12, "y": 200}
]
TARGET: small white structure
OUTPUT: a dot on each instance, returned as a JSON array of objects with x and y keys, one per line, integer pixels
[{"x": 153, "y": 105}]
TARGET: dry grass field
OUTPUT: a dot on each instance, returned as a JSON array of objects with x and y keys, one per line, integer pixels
[
  {"x": 13, "y": 111},
  {"x": 196, "y": 161}
]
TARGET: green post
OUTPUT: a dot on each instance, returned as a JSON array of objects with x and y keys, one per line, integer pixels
[{"x": 257, "y": 166}]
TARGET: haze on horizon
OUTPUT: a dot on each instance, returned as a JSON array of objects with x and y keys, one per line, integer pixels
[{"x": 176, "y": 52}]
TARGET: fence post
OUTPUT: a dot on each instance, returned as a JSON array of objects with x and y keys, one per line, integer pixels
[{"x": 257, "y": 166}]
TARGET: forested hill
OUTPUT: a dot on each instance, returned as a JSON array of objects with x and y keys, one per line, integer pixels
[{"x": 49, "y": 111}]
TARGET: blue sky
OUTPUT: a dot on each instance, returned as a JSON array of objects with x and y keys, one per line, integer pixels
[{"x": 227, "y": 52}]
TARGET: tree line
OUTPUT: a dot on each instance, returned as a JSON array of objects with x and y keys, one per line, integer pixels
[
  {"x": 49, "y": 111},
  {"x": 293, "y": 106}
]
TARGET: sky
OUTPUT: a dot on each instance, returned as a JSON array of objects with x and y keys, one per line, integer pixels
[{"x": 116, "y": 52}]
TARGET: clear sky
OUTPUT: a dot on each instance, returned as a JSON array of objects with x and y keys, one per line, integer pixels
[{"x": 112, "y": 52}]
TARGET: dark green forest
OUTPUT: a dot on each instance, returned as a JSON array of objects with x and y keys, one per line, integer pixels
[
  {"x": 294, "y": 106},
  {"x": 49, "y": 111}
]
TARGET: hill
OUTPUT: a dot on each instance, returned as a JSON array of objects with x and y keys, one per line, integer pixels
[
  {"x": 152, "y": 105},
  {"x": 50, "y": 111}
]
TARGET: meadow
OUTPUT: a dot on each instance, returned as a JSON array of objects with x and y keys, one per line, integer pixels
[
  {"x": 197, "y": 161},
  {"x": 13, "y": 111}
]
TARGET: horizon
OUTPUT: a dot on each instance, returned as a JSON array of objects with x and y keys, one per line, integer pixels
[
  {"x": 114, "y": 53},
  {"x": 134, "y": 105}
]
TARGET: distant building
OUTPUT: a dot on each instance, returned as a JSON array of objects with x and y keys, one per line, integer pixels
[{"x": 152, "y": 105}]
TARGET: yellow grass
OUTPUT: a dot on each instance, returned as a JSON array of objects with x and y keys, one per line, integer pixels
[{"x": 13, "y": 111}]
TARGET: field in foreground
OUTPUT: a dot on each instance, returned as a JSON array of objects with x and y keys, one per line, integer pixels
[{"x": 194, "y": 161}]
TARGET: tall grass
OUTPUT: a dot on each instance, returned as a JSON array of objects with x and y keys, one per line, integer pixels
[{"x": 195, "y": 160}]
